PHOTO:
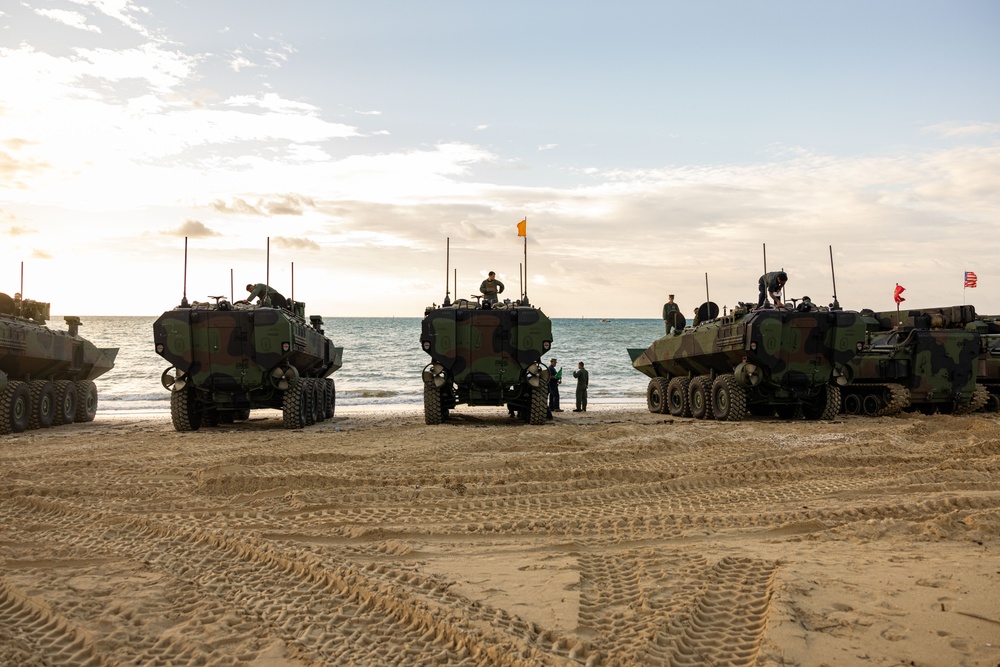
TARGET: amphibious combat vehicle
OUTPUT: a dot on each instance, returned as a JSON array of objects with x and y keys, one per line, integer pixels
[
  {"x": 228, "y": 358},
  {"x": 762, "y": 361},
  {"x": 486, "y": 354},
  {"x": 46, "y": 376},
  {"x": 924, "y": 359},
  {"x": 988, "y": 375}
]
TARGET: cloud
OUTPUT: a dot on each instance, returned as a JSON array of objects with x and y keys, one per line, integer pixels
[
  {"x": 40, "y": 254},
  {"x": 72, "y": 19},
  {"x": 964, "y": 130},
  {"x": 547, "y": 147},
  {"x": 193, "y": 229},
  {"x": 20, "y": 231},
  {"x": 295, "y": 243},
  {"x": 288, "y": 204}
]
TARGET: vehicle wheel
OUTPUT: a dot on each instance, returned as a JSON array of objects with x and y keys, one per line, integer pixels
[
  {"x": 677, "y": 397},
  {"x": 331, "y": 405},
  {"x": 241, "y": 415},
  {"x": 15, "y": 407},
  {"x": 310, "y": 400},
  {"x": 851, "y": 404},
  {"x": 86, "y": 401},
  {"x": 65, "y": 404},
  {"x": 43, "y": 404},
  {"x": 433, "y": 413},
  {"x": 227, "y": 416},
  {"x": 826, "y": 405},
  {"x": 211, "y": 418},
  {"x": 539, "y": 405},
  {"x": 656, "y": 396},
  {"x": 322, "y": 398},
  {"x": 293, "y": 410},
  {"x": 700, "y": 397},
  {"x": 184, "y": 412},
  {"x": 729, "y": 399}
]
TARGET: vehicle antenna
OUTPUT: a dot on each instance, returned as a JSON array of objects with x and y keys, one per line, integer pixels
[
  {"x": 520, "y": 279},
  {"x": 447, "y": 267},
  {"x": 184, "y": 296},
  {"x": 21, "y": 292},
  {"x": 232, "y": 294},
  {"x": 267, "y": 272},
  {"x": 707, "y": 298},
  {"x": 833, "y": 275},
  {"x": 456, "y": 281},
  {"x": 764, "y": 245},
  {"x": 293, "y": 284}
]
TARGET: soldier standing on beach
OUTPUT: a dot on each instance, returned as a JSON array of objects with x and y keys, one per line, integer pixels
[{"x": 582, "y": 380}]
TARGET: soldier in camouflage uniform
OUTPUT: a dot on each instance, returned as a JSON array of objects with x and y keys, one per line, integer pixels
[{"x": 490, "y": 288}]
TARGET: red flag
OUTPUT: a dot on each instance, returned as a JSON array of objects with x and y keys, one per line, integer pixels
[
  {"x": 898, "y": 294},
  {"x": 970, "y": 279}
]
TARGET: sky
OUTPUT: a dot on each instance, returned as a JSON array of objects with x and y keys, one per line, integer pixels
[{"x": 373, "y": 157}]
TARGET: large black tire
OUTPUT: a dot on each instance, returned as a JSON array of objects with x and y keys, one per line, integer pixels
[
  {"x": 43, "y": 404},
  {"x": 729, "y": 399},
  {"x": 433, "y": 412},
  {"x": 677, "y": 397},
  {"x": 15, "y": 407},
  {"x": 700, "y": 397},
  {"x": 310, "y": 399},
  {"x": 322, "y": 398},
  {"x": 184, "y": 411},
  {"x": 86, "y": 401},
  {"x": 331, "y": 400},
  {"x": 293, "y": 409},
  {"x": 65, "y": 403},
  {"x": 656, "y": 396},
  {"x": 539, "y": 405},
  {"x": 825, "y": 406}
]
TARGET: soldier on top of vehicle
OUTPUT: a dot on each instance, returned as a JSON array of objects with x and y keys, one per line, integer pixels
[
  {"x": 771, "y": 283},
  {"x": 266, "y": 296},
  {"x": 490, "y": 288}
]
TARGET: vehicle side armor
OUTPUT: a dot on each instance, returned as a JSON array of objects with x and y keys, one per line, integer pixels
[
  {"x": 46, "y": 376},
  {"x": 762, "y": 361}
]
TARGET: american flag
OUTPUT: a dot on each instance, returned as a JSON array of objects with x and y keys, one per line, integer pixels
[{"x": 970, "y": 279}]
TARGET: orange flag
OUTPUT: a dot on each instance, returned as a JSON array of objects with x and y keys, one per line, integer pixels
[{"x": 522, "y": 228}]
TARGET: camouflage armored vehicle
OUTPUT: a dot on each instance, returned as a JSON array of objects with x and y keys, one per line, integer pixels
[
  {"x": 922, "y": 359},
  {"x": 229, "y": 358},
  {"x": 486, "y": 354},
  {"x": 988, "y": 375},
  {"x": 46, "y": 376},
  {"x": 761, "y": 361}
]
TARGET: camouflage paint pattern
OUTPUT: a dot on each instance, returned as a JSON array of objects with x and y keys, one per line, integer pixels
[
  {"x": 229, "y": 353},
  {"x": 30, "y": 351},
  {"x": 988, "y": 372},
  {"x": 486, "y": 351},
  {"x": 798, "y": 353},
  {"x": 930, "y": 352}
]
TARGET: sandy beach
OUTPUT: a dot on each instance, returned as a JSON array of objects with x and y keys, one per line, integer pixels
[{"x": 611, "y": 537}]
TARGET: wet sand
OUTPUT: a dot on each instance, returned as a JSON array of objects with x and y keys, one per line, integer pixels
[{"x": 612, "y": 537}]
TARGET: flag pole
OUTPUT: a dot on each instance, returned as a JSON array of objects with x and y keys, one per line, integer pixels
[
  {"x": 897, "y": 306},
  {"x": 525, "y": 259}
]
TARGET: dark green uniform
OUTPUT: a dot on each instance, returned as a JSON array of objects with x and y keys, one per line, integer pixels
[
  {"x": 582, "y": 380},
  {"x": 490, "y": 289}
]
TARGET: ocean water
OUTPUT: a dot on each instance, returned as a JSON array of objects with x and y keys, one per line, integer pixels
[{"x": 382, "y": 360}]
